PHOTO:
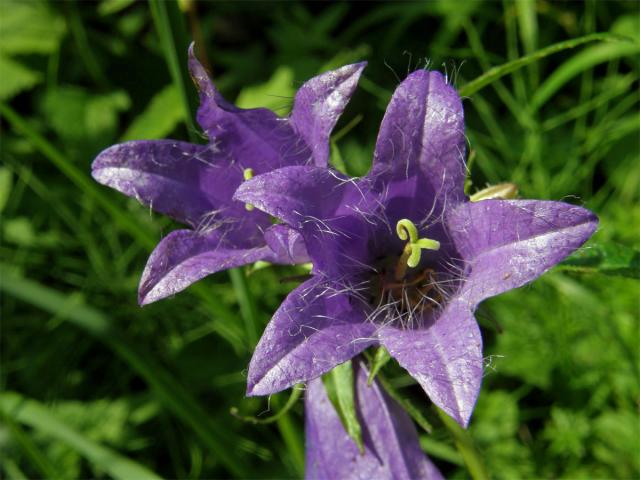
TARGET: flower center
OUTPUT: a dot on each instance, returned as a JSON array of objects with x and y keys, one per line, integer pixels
[
  {"x": 412, "y": 252},
  {"x": 404, "y": 290}
]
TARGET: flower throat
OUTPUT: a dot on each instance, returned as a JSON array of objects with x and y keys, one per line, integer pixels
[{"x": 400, "y": 292}]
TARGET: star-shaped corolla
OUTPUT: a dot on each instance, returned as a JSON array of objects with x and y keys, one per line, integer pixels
[
  {"x": 391, "y": 446},
  {"x": 401, "y": 257},
  {"x": 194, "y": 184}
]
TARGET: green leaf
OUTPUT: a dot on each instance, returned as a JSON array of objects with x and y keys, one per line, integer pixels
[
  {"x": 29, "y": 27},
  {"x": 169, "y": 23},
  {"x": 37, "y": 416},
  {"x": 160, "y": 118},
  {"x": 567, "y": 432},
  {"x": 29, "y": 448},
  {"x": 340, "y": 386},
  {"x": 379, "y": 360},
  {"x": 413, "y": 411},
  {"x": 275, "y": 94},
  {"x": 466, "y": 447},
  {"x": 82, "y": 118},
  {"x": 16, "y": 78},
  {"x": 6, "y": 182},
  {"x": 168, "y": 390},
  {"x": 495, "y": 73},
  {"x": 608, "y": 259},
  {"x": 90, "y": 188},
  {"x": 109, "y": 7},
  {"x": 577, "y": 64}
]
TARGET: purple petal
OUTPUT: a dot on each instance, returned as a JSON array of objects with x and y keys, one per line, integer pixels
[
  {"x": 392, "y": 449},
  {"x": 184, "y": 257},
  {"x": 331, "y": 211},
  {"x": 295, "y": 194},
  {"x": 422, "y": 135},
  {"x": 314, "y": 330},
  {"x": 253, "y": 138},
  {"x": 445, "y": 358},
  {"x": 287, "y": 245},
  {"x": 507, "y": 243},
  {"x": 318, "y": 105},
  {"x": 185, "y": 181}
]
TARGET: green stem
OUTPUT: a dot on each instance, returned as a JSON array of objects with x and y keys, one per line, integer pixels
[
  {"x": 223, "y": 325},
  {"x": 169, "y": 24},
  {"x": 495, "y": 73},
  {"x": 29, "y": 448},
  {"x": 247, "y": 308},
  {"x": 169, "y": 391},
  {"x": 464, "y": 444},
  {"x": 84, "y": 48},
  {"x": 296, "y": 391},
  {"x": 291, "y": 438}
]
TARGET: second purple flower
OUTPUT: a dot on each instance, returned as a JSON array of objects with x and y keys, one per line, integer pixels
[{"x": 194, "y": 184}]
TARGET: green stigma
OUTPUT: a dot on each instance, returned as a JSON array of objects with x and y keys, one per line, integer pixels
[
  {"x": 407, "y": 230},
  {"x": 247, "y": 174}
]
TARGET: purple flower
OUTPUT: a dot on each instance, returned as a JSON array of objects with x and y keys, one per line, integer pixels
[
  {"x": 194, "y": 184},
  {"x": 391, "y": 446},
  {"x": 401, "y": 257}
]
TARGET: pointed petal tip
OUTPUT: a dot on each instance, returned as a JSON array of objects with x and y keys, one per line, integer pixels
[
  {"x": 102, "y": 159},
  {"x": 148, "y": 294},
  {"x": 146, "y": 297},
  {"x": 355, "y": 68},
  {"x": 259, "y": 388}
]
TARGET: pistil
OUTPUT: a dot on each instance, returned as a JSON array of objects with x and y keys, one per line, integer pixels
[{"x": 412, "y": 251}]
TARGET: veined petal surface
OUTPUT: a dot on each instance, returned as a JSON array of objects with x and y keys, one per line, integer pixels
[
  {"x": 392, "y": 450},
  {"x": 184, "y": 256},
  {"x": 315, "y": 329},
  {"x": 422, "y": 136},
  {"x": 182, "y": 180},
  {"x": 319, "y": 103},
  {"x": 444, "y": 356},
  {"x": 507, "y": 243},
  {"x": 286, "y": 244}
]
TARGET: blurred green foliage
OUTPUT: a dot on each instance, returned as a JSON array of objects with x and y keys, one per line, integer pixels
[{"x": 94, "y": 386}]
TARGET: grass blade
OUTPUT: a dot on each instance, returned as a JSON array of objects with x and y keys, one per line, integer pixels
[
  {"x": 223, "y": 325},
  {"x": 247, "y": 308},
  {"x": 465, "y": 446},
  {"x": 38, "y": 459},
  {"x": 170, "y": 27},
  {"x": 495, "y": 73},
  {"x": 579, "y": 63},
  {"x": 82, "y": 180},
  {"x": 168, "y": 391},
  {"x": 37, "y": 416}
]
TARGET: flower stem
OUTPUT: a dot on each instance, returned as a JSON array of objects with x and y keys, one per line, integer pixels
[
  {"x": 464, "y": 444},
  {"x": 247, "y": 309},
  {"x": 291, "y": 438},
  {"x": 169, "y": 24}
]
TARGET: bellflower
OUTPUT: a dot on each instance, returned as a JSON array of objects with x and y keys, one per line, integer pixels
[
  {"x": 194, "y": 184},
  {"x": 401, "y": 257},
  {"x": 391, "y": 446}
]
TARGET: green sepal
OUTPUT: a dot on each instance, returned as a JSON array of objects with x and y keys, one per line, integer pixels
[
  {"x": 379, "y": 360},
  {"x": 340, "y": 386},
  {"x": 608, "y": 259}
]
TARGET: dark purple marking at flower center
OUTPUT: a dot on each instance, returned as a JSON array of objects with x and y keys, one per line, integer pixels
[{"x": 411, "y": 300}]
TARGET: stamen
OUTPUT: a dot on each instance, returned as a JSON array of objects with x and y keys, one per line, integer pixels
[
  {"x": 247, "y": 174},
  {"x": 412, "y": 252}
]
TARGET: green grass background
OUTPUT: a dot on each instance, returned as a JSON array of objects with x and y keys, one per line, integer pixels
[{"x": 94, "y": 386}]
